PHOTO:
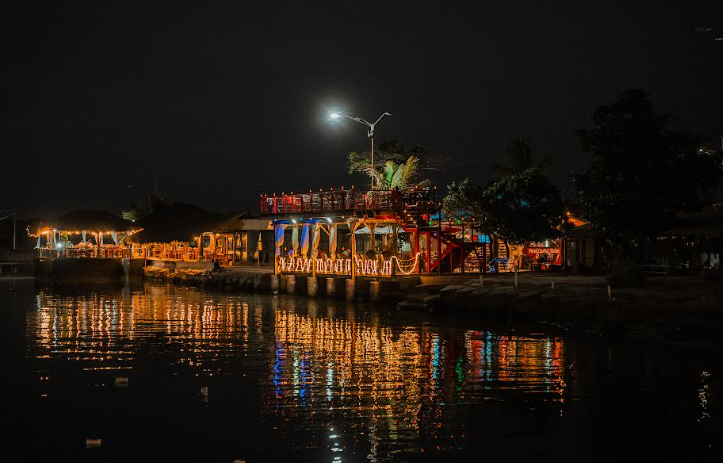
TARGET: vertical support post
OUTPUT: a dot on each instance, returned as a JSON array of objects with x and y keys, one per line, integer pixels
[
  {"x": 439, "y": 250},
  {"x": 372, "y": 240},
  {"x": 416, "y": 251},
  {"x": 276, "y": 257},
  {"x": 371, "y": 135},
  {"x": 353, "y": 227},
  {"x": 331, "y": 287},
  {"x": 428, "y": 244},
  {"x": 484, "y": 257},
  {"x": 464, "y": 249},
  {"x": 15, "y": 227}
]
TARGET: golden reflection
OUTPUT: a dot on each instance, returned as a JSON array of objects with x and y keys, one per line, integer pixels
[
  {"x": 404, "y": 381},
  {"x": 91, "y": 327},
  {"x": 357, "y": 375}
]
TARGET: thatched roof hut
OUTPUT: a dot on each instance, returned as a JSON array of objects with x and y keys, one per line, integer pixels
[{"x": 85, "y": 220}]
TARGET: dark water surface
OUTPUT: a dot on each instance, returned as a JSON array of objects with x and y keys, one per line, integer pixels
[{"x": 295, "y": 380}]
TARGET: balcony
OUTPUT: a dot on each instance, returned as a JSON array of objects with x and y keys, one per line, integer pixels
[{"x": 340, "y": 201}]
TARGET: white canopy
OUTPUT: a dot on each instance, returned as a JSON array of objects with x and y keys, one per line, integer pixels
[{"x": 384, "y": 230}]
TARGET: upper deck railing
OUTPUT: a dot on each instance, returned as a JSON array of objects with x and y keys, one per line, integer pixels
[{"x": 348, "y": 200}]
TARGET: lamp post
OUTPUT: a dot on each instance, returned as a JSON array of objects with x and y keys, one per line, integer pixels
[{"x": 370, "y": 134}]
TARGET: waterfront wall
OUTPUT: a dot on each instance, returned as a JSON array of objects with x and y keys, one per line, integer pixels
[{"x": 69, "y": 270}]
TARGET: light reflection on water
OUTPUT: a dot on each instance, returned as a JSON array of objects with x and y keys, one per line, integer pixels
[{"x": 327, "y": 381}]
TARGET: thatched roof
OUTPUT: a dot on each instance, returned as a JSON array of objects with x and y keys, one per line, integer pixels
[
  {"x": 176, "y": 222},
  {"x": 89, "y": 220},
  {"x": 243, "y": 222},
  {"x": 231, "y": 224}
]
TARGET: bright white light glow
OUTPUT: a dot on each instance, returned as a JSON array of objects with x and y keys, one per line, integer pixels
[{"x": 334, "y": 116}]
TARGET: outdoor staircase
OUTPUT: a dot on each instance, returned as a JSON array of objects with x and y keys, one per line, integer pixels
[{"x": 452, "y": 254}]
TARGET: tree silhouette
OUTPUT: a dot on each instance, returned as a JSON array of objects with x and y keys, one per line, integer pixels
[
  {"x": 642, "y": 173},
  {"x": 519, "y": 158}
]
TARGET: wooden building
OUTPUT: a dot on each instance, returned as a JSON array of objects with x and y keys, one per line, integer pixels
[{"x": 240, "y": 240}]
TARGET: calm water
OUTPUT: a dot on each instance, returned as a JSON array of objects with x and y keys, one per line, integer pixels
[{"x": 218, "y": 377}]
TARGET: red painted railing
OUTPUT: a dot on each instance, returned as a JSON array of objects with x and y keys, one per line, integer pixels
[{"x": 335, "y": 201}]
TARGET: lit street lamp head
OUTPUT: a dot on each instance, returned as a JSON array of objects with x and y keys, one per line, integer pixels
[{"x": 334, "y": 116}]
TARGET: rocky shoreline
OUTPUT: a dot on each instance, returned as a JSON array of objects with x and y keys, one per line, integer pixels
[{"x": 668, "y": 309}]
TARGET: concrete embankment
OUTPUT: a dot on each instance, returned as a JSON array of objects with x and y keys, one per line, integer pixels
[
  {"x": 674, "y": 309},
  {"x": 91, "y": 270},
  {"x": 262, "y": 279}
]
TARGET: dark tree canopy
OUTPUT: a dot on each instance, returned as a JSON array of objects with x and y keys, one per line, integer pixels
[
  {"x": 464, "y": 200},
  {"x": 642, "y": 173},
  {"x": 518, "y": 155},
  {"x": 524, "y": 206}
]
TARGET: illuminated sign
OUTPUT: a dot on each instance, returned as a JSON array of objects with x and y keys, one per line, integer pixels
[{"x": 542, "y": 251}]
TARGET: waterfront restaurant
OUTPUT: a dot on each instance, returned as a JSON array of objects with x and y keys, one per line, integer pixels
[
  {"x": 377, "y": 234},
  {"x": 185, "y": 233},
  {"x": 86, "y": 234},
  {"x": 240, "y": 240},
  {"x": 174, "y": 231}
]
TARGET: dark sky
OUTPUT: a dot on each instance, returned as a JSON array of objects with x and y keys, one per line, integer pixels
[{"x": 218, "y": 103}]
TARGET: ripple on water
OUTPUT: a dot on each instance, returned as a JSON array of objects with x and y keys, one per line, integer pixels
[{"x": 322, "y": 380}]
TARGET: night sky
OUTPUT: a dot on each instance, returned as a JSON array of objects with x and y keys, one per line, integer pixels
[{"x": 218, "y": 103}]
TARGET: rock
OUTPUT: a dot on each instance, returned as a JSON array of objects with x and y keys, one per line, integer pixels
[
  {"x": 432, "y": 300},
  {"x": 476, "y": 300},
  {"x": 416, "y": 297},
  {"x": 466, "y": 290},
  {"x": 451, "y": 288},
  {"x": 407, "y": 305},
  {"x": 449, "y": 296}
]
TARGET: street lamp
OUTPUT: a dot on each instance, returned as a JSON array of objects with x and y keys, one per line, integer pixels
[{"x": 370, "y": 134}]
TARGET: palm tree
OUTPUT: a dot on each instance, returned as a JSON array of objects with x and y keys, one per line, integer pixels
[{"x": 394, "y": 175}]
